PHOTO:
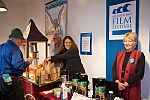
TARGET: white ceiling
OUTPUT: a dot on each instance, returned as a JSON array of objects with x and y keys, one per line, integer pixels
[{"x": 27, "y": 1}]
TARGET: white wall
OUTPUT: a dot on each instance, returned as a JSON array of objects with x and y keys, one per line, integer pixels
[
  {"x": 144, "y": 33},
  {"x": 89, "y": 16},
  {"x": 14, "y": 17},
  {"x": 83, "y": 16},
  {"x": 36, "y": 10}
]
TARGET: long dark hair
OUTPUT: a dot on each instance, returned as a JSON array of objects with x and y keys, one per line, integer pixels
[{"x": 73, "y": 43}]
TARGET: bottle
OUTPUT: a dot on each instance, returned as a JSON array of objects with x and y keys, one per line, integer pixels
[
  {"x": 64, "y": 92},
  {"x": 110, "y": 96},
  {"x": 64, "y": 75}
]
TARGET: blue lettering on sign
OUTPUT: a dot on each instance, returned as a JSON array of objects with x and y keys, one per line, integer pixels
[
  {"x": 124, "y": 26},
  {"x": 122, "y": 22},
  {"x": 122, "y": 18}
]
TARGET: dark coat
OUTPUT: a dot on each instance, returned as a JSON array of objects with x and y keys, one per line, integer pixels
[{"x": 71, "y": 59}]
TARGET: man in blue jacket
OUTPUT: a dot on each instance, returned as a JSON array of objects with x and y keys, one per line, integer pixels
[{"x": 12, "y": 65}]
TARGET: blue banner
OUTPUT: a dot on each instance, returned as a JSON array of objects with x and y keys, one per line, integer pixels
[{"x": 122, "y": 17}]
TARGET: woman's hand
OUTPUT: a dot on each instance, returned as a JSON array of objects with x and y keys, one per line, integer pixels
[
  {"x": 126, "y": 84},
  {"x": 46, "y": 60},
  {"x": 120, "y": 85}
]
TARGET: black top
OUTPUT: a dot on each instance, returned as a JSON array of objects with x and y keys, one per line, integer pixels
[
  {"x": 139, "y": 69},
  {"x": 71, "y": 59}
]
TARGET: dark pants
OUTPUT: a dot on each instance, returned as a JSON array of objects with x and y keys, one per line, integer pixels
[{"x": 11, "y": 92}]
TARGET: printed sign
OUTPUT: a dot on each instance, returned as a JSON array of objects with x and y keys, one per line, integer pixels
[
  {"x": 122, "y": 19},
  {"x": 86, "y": 43}
]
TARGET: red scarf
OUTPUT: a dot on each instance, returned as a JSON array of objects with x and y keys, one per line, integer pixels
[{"x": 133, "y": 92}]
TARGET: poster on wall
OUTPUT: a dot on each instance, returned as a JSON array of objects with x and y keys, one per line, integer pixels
[
  {"x": 122, "y": 19},
  {"x": 86, "y": 43},
  {"x": 55, "y": 24}
]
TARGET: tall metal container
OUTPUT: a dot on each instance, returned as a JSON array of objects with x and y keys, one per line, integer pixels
[
  {"x": 83, "y": 84},
  {"x": 99, "y": 88}
]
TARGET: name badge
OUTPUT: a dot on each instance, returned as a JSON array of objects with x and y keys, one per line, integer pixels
[{"x": 131, "y": 60}]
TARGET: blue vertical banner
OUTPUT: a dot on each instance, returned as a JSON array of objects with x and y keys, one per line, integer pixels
[{"x": 122, "y": 17}]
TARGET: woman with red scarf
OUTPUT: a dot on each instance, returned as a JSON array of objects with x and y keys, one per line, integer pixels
[{"x": 128, "y": 68}]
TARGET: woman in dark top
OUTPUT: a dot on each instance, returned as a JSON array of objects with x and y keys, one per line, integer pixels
[
  {"x": 128, "y": 68},
  {"x": 70, "y": 56}
]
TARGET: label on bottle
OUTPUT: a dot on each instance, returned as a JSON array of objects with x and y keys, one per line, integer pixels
[
  {"x": 100, "y": 91},
  {"x": 64, "y": 91},
  {"x": 82, "y": 88},
  {"x": 74, "y": 85}
]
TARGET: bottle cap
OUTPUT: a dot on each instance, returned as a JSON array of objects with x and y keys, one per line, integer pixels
[{"x": 111, "y": 92}]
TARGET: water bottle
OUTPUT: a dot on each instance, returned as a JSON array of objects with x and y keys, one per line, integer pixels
[
  {"x": 110, "y": 96},
  {"x": 64, "y": 92}
]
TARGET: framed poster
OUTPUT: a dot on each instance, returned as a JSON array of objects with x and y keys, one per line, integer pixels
[{"x": 86, "y": 43}]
